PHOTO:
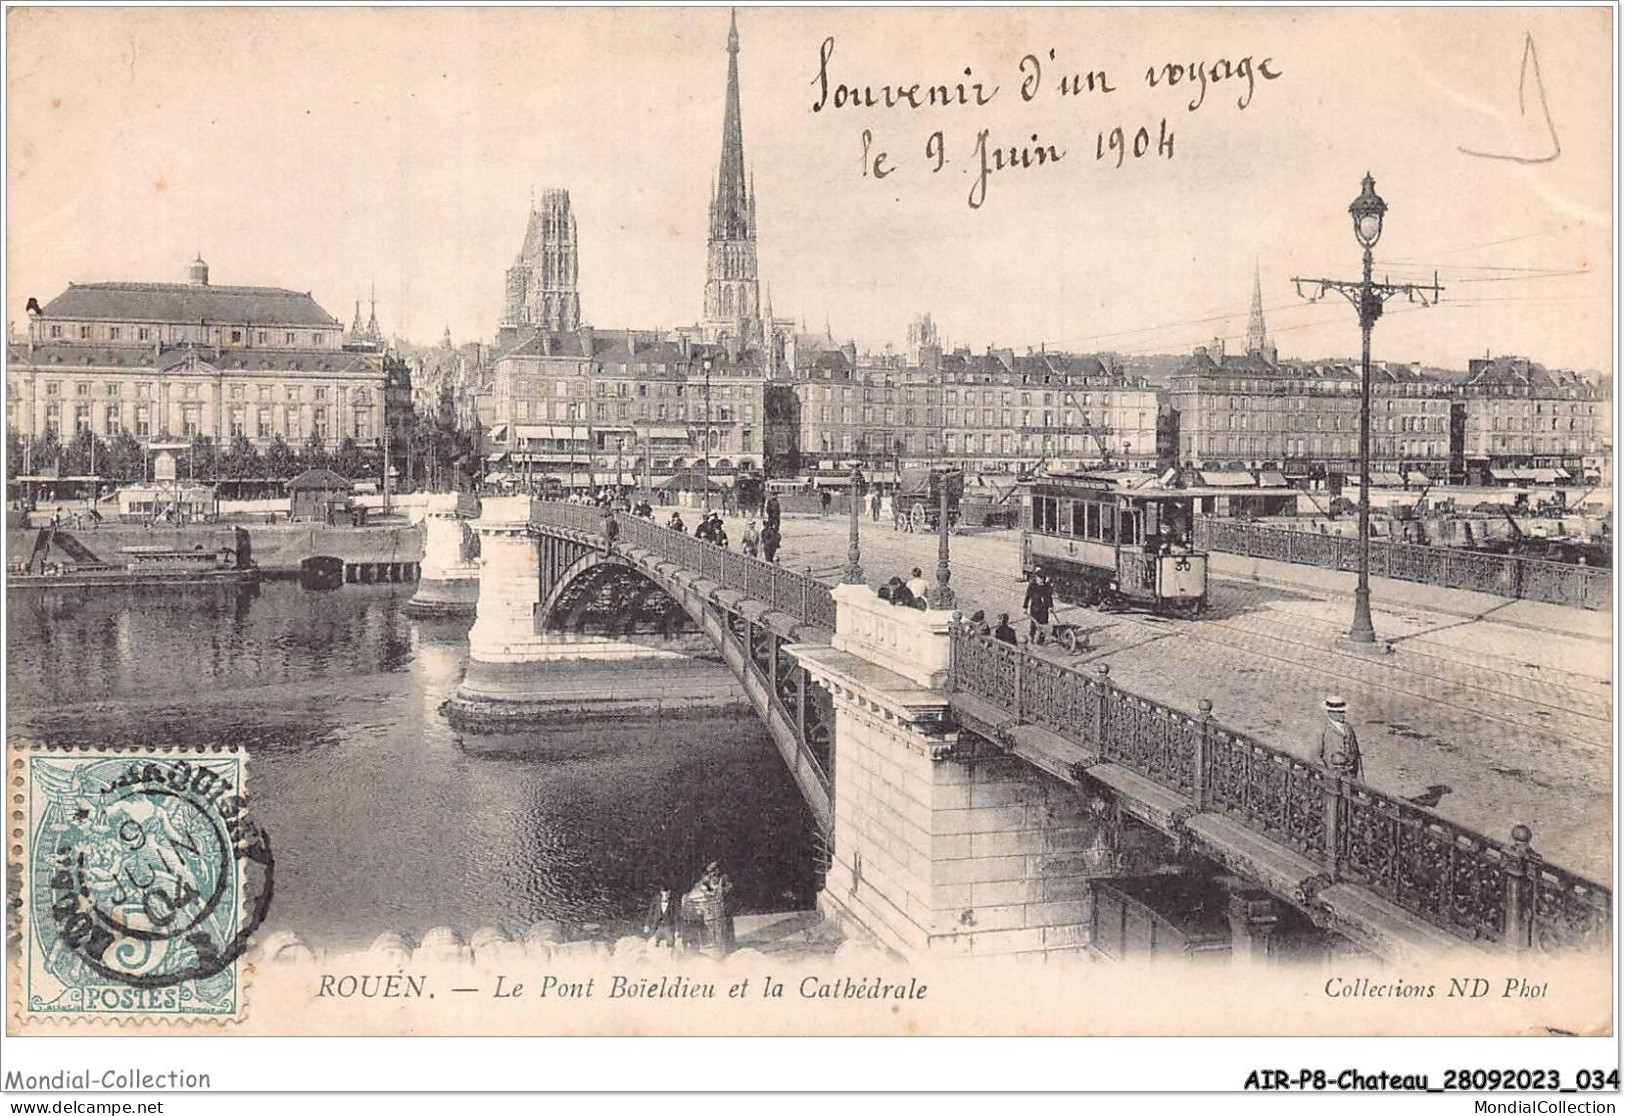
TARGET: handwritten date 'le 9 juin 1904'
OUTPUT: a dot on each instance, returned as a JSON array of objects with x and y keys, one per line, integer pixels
[{"x": 984, "y": 154}]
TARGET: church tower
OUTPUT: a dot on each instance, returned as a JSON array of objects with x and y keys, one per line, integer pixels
[
  {"x": 1258, "y": 343},
  {"x": 732, "y": 293},
  {"x": 541, "y": 287}
]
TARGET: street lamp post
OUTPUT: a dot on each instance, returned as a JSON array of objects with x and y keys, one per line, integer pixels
[
  {"x": 705, "y": 364},
  {"x": 1368, "y": 298},
  {"x": 940, "y": 596},
  {"x": 854, "y": 564}
]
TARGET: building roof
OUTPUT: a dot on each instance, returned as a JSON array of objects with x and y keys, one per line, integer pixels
[
  {"x": 621, "y": 347},
  {"x": 205, "y": 359},
  {"x": 188, "y": 303},
  {"x": 324, "y": 480}
]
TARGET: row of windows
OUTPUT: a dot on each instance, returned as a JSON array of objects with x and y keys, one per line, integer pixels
[
  {"x": 625, "y": 389},
  {"x": 1313, "y": 447},
  {"x": 191, "y": 417},
  {"x": 114, "y": 389},
  {"x": 1525, "y": 424},
  {"x": 1407, "y": 424},
  {"x": 578, "y": 410},
  {"x": 1535, "y": 445},
  {"x": 58, "y": 331}
]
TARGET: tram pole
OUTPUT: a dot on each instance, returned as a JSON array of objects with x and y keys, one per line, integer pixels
[
  {"x": 854, "y": 565},
  {"x": 1367, "y": 298}
]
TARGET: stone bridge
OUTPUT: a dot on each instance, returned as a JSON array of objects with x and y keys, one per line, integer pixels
[{"x": 977, "y": 798}]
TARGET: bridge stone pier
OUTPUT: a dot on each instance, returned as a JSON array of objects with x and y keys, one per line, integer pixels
[
  {"x": 529, "y": 655},
  {"x": 943, "y": 844},
  {"x": 449, "y": 576}
]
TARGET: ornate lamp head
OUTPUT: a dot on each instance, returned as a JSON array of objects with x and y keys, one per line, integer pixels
[{"x": 1367, "y": 211}]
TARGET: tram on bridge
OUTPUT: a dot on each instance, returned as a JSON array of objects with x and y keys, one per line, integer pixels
[{"x": 1101, "y": 544}]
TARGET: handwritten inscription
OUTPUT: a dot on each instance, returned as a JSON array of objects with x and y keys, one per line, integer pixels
[{"x": 985, "y": 155}]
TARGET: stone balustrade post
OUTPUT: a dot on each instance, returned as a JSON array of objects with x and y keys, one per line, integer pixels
[
  {"x": 1335, "y": 785},
  {"x": 1521, "y": 867},
  {"x": 1021, "y": 660},
  {"x": 1204, "y": 730},
  {"x": 1103, "y": 683}
]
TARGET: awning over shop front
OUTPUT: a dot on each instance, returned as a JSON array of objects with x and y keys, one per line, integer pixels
[
  {"x": 1217, "y": 479},
  {"x": 1387, "y": 480},
  {"x": 499, "y": 433},
  {"x": 1543, "y": 476},
  {"x": 1503, "y": 474},
  {"x": 556, "y": 433},
  {"x": 1418, "y": 478},
  {"x": 1268, "y": 479},
  {"x": 668, "y": 433}
]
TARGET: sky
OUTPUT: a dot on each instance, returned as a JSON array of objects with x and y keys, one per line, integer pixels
[{"x": 334, "y": 150}]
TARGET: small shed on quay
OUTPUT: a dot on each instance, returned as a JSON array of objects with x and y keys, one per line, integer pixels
[
  {"x": 320, "y": 496},
  {"x": 690, "y": 480}
]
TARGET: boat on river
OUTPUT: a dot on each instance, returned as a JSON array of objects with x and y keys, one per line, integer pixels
[{"x": 58, "y": 560}]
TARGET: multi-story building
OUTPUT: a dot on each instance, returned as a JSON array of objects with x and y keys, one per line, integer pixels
[
  {"x": 1254, "y": 411},
  {"x": 447, "y": 380},
  {"x": 560, "y": 400},
  {"x": 1515, "y": 414},
  {"x": 1303, "y": 419},
  {"x": 193, "y": 360},
  {"x": 987, "y": 412}
]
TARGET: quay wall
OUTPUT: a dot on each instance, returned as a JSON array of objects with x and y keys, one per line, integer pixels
[{"x": 277, "y": 549}]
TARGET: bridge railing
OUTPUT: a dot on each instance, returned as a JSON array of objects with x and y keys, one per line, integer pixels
[
  {"x": 1503, "y": 575},
  {"x": 1453, "y": 877},
  {"x": 798, "y": 595}
]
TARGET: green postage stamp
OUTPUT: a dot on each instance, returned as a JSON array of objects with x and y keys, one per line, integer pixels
[{"x": 142, "y": 881}]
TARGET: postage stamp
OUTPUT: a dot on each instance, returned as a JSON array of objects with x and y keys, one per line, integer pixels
[{"x": 143, "y": 879}]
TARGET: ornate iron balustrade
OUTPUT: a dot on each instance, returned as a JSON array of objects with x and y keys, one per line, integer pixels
[
  {"x": 799, "y": 595},
  {"x": 1453, "y": 877},
  {"x": 1503, "y": 575}
]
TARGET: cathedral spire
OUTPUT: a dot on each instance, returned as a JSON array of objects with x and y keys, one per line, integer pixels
[
  {"x": 1258, "y": 343},
  {"x": 732, "y": 299},
  {"x": 730, "y": 218},
  {"x": 372, "y": 322}
]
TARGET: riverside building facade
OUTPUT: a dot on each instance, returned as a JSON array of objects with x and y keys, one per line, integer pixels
[
  {"x": 605, "y": 403},
  {"x": 986, "y": 412},
  {"x": 165, "y": 361}
]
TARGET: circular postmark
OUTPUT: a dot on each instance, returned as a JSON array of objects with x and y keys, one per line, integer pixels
[{"x": 147, "y": 870}]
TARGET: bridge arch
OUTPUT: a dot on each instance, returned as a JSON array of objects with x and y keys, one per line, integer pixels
[
  {"x": 608, "y": 586},
  {"x": 580, "y": 579}
]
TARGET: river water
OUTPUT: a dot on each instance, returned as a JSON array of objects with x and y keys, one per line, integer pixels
[{"x": 381, "y": 815}]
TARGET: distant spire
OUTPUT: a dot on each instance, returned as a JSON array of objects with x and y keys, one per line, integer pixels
[
  {"x": 373, "y": 331},
  {"x": 1257, "y": 340},
  {"x": 355, "y": 326},
  {"x": 829, "y": 334}
]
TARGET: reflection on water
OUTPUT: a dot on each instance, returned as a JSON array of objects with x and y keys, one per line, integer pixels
[{"x": 381, "y": 816}]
